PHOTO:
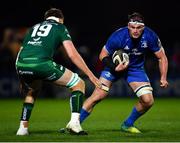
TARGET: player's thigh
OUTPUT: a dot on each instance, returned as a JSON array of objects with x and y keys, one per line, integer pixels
[
  {"x": 62, "y": 76},
  {"x": 139, "y": 81},
  {"x": 65, "y": 78},
  {"x": 135, "y": 85},
  {"x": 53, "y": 72}
]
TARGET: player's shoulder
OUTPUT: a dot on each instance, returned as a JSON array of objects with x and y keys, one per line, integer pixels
[
  {"x": 62, "y": 27},
  {"x": 149, "y": 31},
  {"x": 121, "y": 32}
]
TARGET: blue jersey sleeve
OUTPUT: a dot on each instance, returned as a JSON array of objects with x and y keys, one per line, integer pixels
[
  {"x": 112, "y": 43},
  {"x": 154, "y": 43}
]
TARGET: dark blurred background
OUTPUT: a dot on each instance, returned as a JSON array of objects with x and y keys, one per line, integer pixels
[{"x": 90, "y": 23}]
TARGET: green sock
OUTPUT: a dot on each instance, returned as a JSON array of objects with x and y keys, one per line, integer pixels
[
  {"x": 26, "y": 111},
  {"x": 76, "y": 101}
]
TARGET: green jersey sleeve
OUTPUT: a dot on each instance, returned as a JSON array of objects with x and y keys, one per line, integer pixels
[{"x": 64, "y": 33}]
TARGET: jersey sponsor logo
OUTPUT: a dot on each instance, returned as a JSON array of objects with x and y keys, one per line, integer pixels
[
  {"x": 144, "y": 44},
  {"x": 35, "y": 43},
  {"x": 40, "y": 31},
  {"x": 135, "y": 52},
  {"x": 25, "y": 72}
]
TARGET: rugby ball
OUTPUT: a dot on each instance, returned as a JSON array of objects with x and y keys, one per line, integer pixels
[{"x": 120, "y": 57}]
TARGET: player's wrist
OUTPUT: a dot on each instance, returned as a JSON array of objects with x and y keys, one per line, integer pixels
[{"x": 163, "y": 78}]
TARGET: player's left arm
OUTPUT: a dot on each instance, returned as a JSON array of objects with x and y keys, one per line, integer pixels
[{"x": 163, "y": 67}]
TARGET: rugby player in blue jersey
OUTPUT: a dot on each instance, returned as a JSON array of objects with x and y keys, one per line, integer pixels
[{"x": 135, "y": 39}]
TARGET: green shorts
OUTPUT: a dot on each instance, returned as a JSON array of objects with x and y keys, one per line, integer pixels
[{"x": 46, "y": 70}]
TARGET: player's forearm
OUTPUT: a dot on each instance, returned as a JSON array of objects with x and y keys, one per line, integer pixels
[{"x": 163, "y": 67}]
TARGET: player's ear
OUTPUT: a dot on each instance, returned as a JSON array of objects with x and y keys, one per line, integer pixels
[
  {"x": 61, "y": 20},
  {"x": 128, "y": 26},
  {"x": 143, "y": 27}
]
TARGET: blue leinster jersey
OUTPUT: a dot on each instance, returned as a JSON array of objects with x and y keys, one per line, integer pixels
[{"x": 135, "y": 48}]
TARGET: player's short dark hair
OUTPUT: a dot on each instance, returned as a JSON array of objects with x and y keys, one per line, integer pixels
[
  {"x": 54, "y": 12},
  {"x": 135, "y": 16}
]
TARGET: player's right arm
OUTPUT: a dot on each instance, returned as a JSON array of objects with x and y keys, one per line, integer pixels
[{"x": 79, "y": 62}]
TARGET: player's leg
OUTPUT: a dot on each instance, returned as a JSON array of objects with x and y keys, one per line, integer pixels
[
  {"x": 77, "y": 87},
  {"x": 97, "y": 95},
  {"x": 30, "y": 92},
  {"x": 139, "y": 82},
  {"x": 106, "y": 78},
  {"x": 144, "y": 91}
]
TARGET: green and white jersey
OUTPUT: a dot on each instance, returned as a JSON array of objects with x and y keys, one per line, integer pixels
[{"x": 41, "y": 41}]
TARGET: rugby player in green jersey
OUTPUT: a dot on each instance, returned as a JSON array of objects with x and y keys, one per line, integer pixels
[{"x": 35, "y": 63}]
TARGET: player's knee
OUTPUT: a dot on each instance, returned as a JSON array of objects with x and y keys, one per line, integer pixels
[
  {"x": 81, "y": 85},
  {"x": 76, "y": 83},
  {"x": 145, "y": 94},
  {"x": 148, "y": 102}
]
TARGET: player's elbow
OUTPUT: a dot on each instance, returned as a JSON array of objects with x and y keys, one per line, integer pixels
[
  {"x": 100, "y": 57},
  {"x": 163, "y": 60},
  {"x": 72, "y": 55},
  {"x": 103, "y": 54}
]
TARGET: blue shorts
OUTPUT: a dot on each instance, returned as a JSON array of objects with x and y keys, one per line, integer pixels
[{"x": 130, "y": 75}]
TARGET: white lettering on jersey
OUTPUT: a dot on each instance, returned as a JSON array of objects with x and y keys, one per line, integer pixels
[
  {"x": 35, "y": 43},
  {"x": 144, "y": 44},
  {"x": 135, "y": 52}
]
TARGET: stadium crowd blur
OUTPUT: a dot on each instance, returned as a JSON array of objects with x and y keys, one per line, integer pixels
[{"x": 90, "y": 24}]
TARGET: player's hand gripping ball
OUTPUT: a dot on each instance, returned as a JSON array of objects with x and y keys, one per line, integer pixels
[{"x": 120, "y": 57}]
